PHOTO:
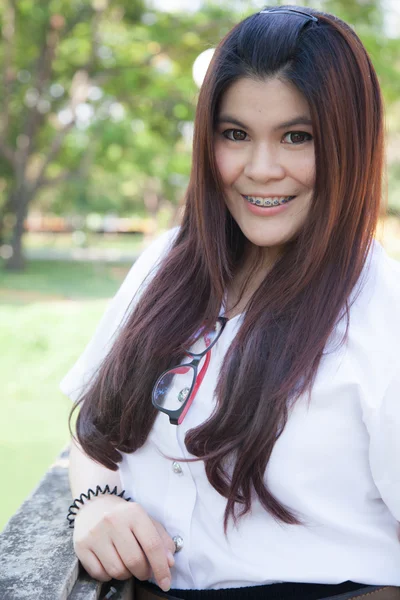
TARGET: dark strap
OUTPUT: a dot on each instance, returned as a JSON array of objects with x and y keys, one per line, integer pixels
[{"x": 279, "y": 591}]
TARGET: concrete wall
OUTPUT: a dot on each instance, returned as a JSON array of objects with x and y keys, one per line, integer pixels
[{"x": 37, "y": 559}]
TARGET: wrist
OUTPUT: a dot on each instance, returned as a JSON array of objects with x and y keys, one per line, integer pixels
[
  {"x": 97, "y": 506},
  {"x": 91, "y": 496}
]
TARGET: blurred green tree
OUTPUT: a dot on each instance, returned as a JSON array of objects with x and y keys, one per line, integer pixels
[{"x": 98, "y": 101}]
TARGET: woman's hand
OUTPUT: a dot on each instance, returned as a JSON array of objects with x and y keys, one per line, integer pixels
[{"x": 116, "y": 539}]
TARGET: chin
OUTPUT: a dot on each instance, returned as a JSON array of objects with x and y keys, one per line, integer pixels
[{"x": 265, "y": 240}]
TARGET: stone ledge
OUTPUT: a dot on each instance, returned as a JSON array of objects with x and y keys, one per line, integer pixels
[{"x": 37, "y": 559}]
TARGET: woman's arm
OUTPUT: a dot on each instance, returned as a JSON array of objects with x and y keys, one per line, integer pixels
[
  {"x": 85, "y": 473},
  {"x": 113, "y": 537}
]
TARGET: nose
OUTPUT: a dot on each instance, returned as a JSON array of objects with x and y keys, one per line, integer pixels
[{"x": 263, "y": 164}]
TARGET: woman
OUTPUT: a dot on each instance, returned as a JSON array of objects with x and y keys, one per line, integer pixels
[{"x": 282, "y": 476}]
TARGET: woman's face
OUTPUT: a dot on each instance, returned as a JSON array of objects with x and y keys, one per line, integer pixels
[{"x": 265, "y": 155}]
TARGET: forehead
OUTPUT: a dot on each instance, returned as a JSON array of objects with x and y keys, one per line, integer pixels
[{"x": 271, "y": 100}]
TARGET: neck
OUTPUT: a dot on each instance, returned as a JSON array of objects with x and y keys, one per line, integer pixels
[
  {"x": 259, "y": 258},
  {"x": 253, "y": 268}
]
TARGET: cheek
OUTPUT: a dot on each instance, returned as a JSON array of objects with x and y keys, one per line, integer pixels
[
  {"x": 228, "y": 163},
  {"x": 306, "y": 172}
]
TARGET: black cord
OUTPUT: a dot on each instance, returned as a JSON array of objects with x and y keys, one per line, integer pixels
[{"x": 79, "y": 502}]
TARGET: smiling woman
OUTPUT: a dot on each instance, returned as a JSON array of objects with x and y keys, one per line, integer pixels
[
  {"x": 243, "y": 385},
  {"x": 268, "y": 165}
]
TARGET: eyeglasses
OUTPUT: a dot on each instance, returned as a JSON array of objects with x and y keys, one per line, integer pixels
[{"x": 177, "y": 387}]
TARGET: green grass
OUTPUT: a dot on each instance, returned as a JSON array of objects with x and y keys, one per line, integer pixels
[
  {"x": 66, "y": 280},
  {"x": 66, "y": 241},
  {"x": 47, "y": 315}
]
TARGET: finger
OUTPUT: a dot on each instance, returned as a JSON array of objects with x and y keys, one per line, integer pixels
[
  {"x": 153, "y": 547},
  {"x": 111, "y": 561},
  {"x": 170, "y": 558},
  {"x": 93, "y": 566},
  {"x": 126, "y": 573},
  {"x": 89, "y": 561},
  {"x": 131, "y": 553},
  {"x": 168, "y": 542}
]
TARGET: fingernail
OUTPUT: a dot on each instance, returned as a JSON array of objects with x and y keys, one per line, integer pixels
[
  {"x": 165, "y": 584},
  {"x": 170, "y": 557}
]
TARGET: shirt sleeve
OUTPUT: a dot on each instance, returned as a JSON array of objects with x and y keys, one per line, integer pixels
[
  {"x": 385, "y": 446},
  {"x": 74, "y": 382}
]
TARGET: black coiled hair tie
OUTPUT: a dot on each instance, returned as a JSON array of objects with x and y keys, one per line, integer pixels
[{"x": 79, "y": 502}]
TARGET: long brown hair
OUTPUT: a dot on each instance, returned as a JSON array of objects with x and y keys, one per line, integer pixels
[{"x": 277, "y": 350}]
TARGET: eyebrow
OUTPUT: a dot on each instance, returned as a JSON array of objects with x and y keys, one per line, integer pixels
[{"x": 300, "y": 120}]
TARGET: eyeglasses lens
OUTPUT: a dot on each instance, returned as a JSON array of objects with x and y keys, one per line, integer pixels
[{"x": 174, "y": 387}]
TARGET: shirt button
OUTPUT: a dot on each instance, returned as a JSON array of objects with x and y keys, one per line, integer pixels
[
  {"x": 176, "y": 467},
  {"x": 178, "y": 541}
]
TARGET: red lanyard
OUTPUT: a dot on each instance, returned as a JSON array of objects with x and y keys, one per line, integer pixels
[{"x": 199, "y": 379}]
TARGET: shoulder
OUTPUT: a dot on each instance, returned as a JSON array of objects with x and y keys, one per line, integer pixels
[
  {"x": 145, "y": 267},
  {"x": 117, "y": 310},
  {"x": 381, "y": 381},
  {"x": 156, "y": 250},
  {"x": 374, "y": 326},
  {"x": 382, "y": 281},
  {"x": 149, "y": 260},
  {"x": 162, "y": 243},
  {"x": 379, "y": 285},
  {"x": 387, "y": 269}
]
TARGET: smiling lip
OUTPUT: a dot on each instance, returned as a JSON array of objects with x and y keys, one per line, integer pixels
[
  {"x": 267, "y": 195},
  {"x": 269, "y": 211},
  {"x": 268, "y": 201}
]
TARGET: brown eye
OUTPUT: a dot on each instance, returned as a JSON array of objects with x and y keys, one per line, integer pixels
[
  {"x": 297, "y": 137},
  {"x": 236, "y": 135}
]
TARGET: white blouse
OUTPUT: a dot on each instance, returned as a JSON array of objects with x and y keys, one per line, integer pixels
[{"x": 337, "y": 462}]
